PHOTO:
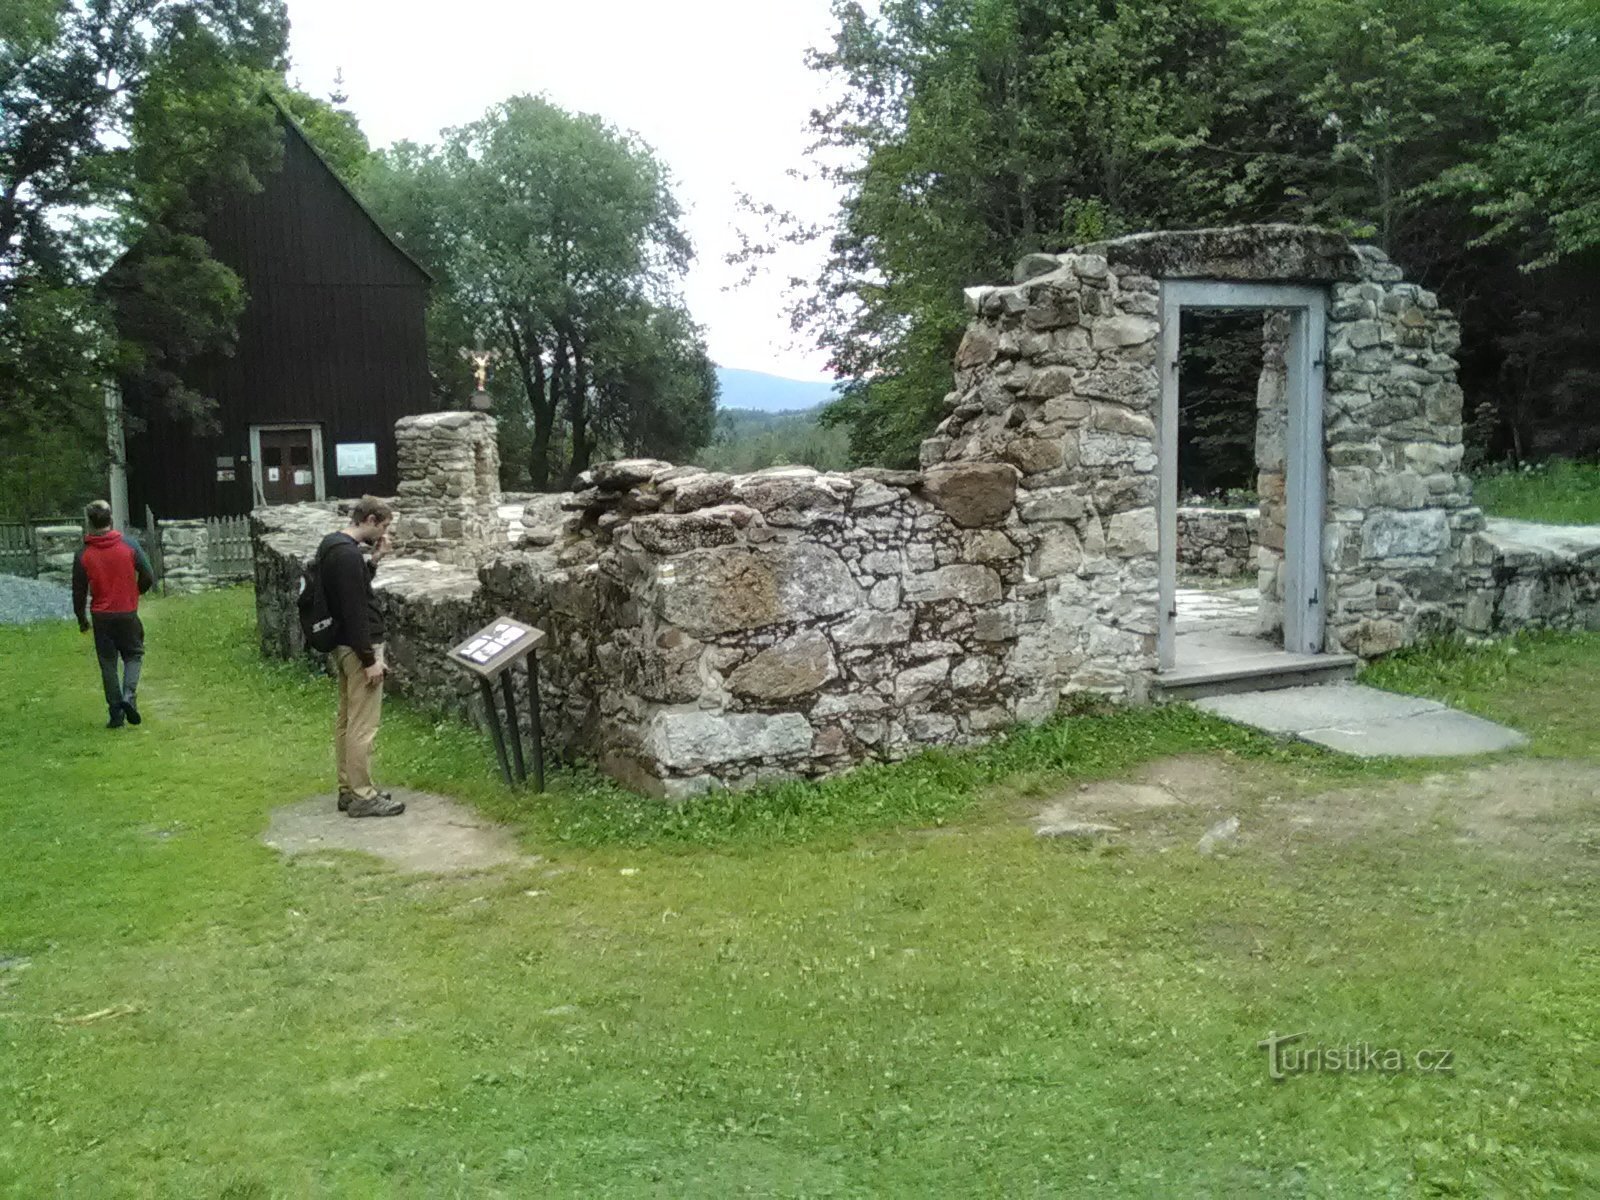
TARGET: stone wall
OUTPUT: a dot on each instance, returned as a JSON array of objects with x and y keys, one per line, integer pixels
[
  {"x": 58, "y": 546},
  {"x": 449, "y": 496},
  {"x": 1399, "y": 509},
  {"x": 722, "y": 629},
  {"x": 189, "y": 562},
  {"x": 1057, "y": 374},
  {"x": 1272, "y": 441},
  {"x": 711, "y": 630},
  {"x": 1532, "y": 576},
  {"x": 428, "y": 606},
  {"x": 1220, "y": 542}
]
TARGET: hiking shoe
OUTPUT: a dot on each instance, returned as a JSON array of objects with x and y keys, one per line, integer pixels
[
  {"x": 129, "y": 711},
  {"x": 117, "y": 717},
  {"x": 346, "y": 797},
  {"x": 375, "y": 806}
]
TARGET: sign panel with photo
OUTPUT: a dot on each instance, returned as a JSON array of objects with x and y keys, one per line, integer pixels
[{"x": 496, "y": 646}]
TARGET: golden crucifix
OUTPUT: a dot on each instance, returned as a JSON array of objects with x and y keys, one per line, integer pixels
[{"x": 480, "y": 360}]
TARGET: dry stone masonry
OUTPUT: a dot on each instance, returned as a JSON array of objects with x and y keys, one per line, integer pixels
[
  {"x": 449, "y": 499},
  {"x": 710, "y": 630},
  {"x": 1219, "y": 542}
]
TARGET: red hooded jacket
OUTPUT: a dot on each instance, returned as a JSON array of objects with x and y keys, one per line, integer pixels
[{"x": 113, "y": 570}]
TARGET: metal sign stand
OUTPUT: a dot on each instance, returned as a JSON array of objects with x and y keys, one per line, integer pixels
[{"x": 495, "y": 651}]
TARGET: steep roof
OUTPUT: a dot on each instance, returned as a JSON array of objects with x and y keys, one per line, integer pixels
[{"x": 295, "y": 128}]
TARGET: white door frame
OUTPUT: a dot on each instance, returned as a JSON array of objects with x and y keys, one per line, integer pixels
[
  {"x": 1305, "y": 462},
  {"x": 258, "y": 500}
]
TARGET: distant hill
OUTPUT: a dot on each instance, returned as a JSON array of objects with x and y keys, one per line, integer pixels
[{"x": 769, "y": 393}]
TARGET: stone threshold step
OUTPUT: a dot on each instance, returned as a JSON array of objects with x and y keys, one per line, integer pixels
[{"x": 1256, "y": 673}]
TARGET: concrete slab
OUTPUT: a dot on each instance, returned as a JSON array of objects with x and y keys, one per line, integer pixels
[
  {"x": 1442, "y": 734},
  {"x": 1365, "y": 721},
  {"x": 434, "y": 835}
]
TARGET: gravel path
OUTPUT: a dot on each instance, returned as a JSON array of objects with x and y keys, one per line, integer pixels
[{"x": 24, "y": 600}]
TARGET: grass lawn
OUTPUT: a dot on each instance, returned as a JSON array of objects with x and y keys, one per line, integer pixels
[
  {"x": 884, "y": 985},
  {"x": 1560, "y": 492}
]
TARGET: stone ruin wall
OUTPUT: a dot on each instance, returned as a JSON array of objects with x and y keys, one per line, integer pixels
[
  {"x": 712, "y": 630},
  {"x": 1058, "y": 375},
  {"x": 1220, "y": 543},
  {"x": 1399, "y": 550},
  {"x": 719, "y": 630},
  {"x": 447, "y": 507},
  {"x": 706, "y": 629}
]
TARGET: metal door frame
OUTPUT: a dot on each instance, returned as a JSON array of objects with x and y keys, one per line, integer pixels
[{"x": 1305, "y": 462}]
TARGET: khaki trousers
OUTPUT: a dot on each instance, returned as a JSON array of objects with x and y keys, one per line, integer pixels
[{"x": 360, "y": 708}]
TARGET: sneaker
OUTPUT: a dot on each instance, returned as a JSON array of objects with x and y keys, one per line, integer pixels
[
  {"x": 346, "y": 797},
  {"x": 117, "y": 717},
  {"x": 375, "y": 806},
  {"x": 129, "y": 711}
]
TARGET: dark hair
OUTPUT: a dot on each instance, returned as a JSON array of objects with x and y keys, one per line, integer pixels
[
  {"x": 98, "y": 514},
  {"x": 370, "y": 508}
]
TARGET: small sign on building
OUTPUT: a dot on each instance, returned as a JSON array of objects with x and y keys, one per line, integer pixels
[{"x": 356, "y": 458}]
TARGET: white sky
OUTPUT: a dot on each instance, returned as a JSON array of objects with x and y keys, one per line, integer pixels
[{"x": 718, "y": 88}]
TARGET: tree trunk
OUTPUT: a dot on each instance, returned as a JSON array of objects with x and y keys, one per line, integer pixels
[
  {"x": 530, "y": 364},
  {"x": 578, "y": 413},
  {"x": 560, "y": 388}
]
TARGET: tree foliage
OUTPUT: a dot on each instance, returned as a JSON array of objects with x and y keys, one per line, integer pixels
[
  {"x": 1461, "y": 135},
  {"x": 120, "y": 120},
  {"x": 555, "y": 241}
]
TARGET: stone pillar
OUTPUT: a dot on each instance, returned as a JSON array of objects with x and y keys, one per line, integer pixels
[{"x": 449, "y": 487}]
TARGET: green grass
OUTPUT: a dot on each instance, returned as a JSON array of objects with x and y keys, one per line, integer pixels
[
  {"x": 1559, "y": 492},
  {"x": 881, "y": 985}
]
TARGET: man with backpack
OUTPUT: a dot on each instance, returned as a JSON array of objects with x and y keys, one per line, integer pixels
[
  {"x": 344, "y": 577},
  {"x": 109, "y": 574}
]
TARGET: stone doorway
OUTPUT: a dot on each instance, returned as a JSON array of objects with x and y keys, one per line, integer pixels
[{"x": 1283, "y": 614}]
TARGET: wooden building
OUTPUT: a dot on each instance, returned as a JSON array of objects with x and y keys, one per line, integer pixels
[{"x": 332, "y": 350}]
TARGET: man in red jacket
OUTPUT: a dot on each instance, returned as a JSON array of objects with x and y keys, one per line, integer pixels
[{"x": 114, "y": 571}]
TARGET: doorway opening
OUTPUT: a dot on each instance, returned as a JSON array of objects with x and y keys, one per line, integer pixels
[
  {"x": 286, "y": 463},
  {"x": 1241, "y": 422},
  {"x": 1230, "y": 436}
]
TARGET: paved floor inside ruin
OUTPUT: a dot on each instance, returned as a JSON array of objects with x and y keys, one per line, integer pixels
[
  {"x": 1216, "y": 630},
  {"x": 1232, "y": 610}
]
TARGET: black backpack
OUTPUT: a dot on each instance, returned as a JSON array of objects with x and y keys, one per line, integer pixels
[{"x": 317, "y": 625}]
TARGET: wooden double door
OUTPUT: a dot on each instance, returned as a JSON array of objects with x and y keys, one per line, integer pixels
[{"x": 288, "y": 462}]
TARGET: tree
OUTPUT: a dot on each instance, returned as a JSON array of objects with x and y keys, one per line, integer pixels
[
  {"x": 972, "y": 132},
  {"x": 1539, "y": 181},
  {"x": 554, "y": 239},
  {"x": 1458, "y": 134},
  {"x": 118, "y": 115}
]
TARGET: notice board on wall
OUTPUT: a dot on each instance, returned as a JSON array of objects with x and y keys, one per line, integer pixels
[{"x": 355, "y": 458}]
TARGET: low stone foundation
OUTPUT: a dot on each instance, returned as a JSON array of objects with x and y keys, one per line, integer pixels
[
  {"x": 1220, "y": 542},
  {"x": 712, "y": 630},
  {"x": 57, "y": 546},
  {"x": 1533, "y": 576}
]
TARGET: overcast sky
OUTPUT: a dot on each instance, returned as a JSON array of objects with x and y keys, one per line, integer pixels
[{"x": 718, "y": 88}]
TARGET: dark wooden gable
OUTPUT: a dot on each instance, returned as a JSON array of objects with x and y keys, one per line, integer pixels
[{"x": 333, "y": 335}]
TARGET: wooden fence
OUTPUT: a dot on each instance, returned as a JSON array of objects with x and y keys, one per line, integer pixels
[
  {"x": 19, "y": 545},
  {"x": 169, "y": 544},
  {"x": 228, "y": 554}
]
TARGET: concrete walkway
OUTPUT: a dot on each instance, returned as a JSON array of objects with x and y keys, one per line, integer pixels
[{"x": 1365, "y": 721}]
